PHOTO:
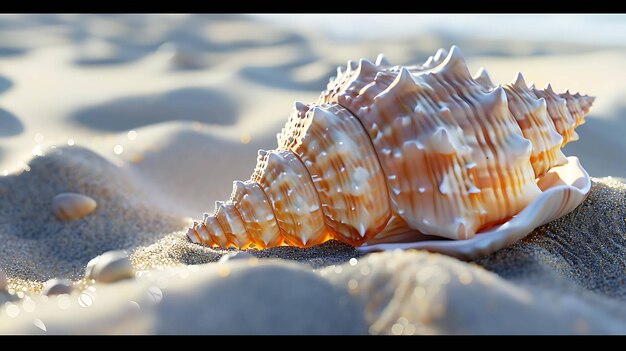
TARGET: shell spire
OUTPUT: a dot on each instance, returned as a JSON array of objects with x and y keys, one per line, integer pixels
[
  {"x": 387, "y": 152},
  {"x": 565, "y": 111},
  {"x": 532, "y": 116}
]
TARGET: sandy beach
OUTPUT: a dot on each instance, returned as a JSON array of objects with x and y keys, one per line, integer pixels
[{"x": 154, "y": 116}]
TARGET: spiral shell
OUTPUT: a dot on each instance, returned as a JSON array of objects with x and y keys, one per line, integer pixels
[{"x": 425, "y": 151}]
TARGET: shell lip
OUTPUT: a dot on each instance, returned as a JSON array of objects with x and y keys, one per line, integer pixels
[{"x": 563, "y": 189}]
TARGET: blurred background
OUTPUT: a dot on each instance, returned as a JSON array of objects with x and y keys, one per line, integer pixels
[{"x": 175, "y": 92}]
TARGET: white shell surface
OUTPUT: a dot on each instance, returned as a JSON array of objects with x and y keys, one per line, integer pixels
[
  {"x": 563, "y": 189},
  {"x": 110, "y": 267}
]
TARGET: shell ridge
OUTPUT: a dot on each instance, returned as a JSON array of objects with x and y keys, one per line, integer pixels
[
  {"x": 334, "y": 129},
  {"x": 328, "y": 230},
  {"x": 493, "y": 170},
  {"x": 285, "y": 166},
  {"x": 281, "y": 234}
]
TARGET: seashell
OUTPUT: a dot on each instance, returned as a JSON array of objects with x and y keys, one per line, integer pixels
[
  {"x": 409, "y": 156},
  {"x": 109, "y": 267},
  {"x": 57, "y": 287},
  {"x": 72, "y": 206}
]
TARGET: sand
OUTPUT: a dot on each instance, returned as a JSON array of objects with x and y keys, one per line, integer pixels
[{"x": 156, "y": 126}]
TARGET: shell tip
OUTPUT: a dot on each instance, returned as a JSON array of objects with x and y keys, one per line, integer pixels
[
  {"x": 482, "y": 77},
  {"x": 499, "y": 93},
  {"x": 404, "y": 80},
  {"x": 455, "y": 63},
  {"x": 440, "y": 55},
  {"x": 238, "y": 185},
  {"x": 405, "y": 74},
  {"x": 362, "y": 230},
  {"x": 300, "y": 107},
  {"x": 351, "y": 66},
  {"x": 339, "y": 72},
  {"x": 218, "y": 204},
  {"x": 192, "y": 236},
  {"x": 519, "y": 81},
  {"x": 455, "y": 52},
  {"x": 382, "y": 60},
  {"x": 366, "y": 66}
]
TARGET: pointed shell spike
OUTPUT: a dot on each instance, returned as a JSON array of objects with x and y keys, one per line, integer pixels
[
  {"x": 351, "y": 66},
  {"x": 440, "y": 55},
  {"x": 299, "y": 106},
  {"x": 381, "y": 60},
  {"x": 218, "y": 204},
  {"x": 404, "y": 80},
  {"x": 519, "y": 81},
  {"x": 455, "y": 63},
  {"x": 366, "y": 66},
  {"x": 482, "y": 78}
]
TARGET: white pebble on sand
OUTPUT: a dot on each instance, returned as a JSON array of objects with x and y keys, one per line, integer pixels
[
  {"x": 110, "y": 267},
  {"x": 57, "y": 287},
  {"x": 72, "y": 206}
]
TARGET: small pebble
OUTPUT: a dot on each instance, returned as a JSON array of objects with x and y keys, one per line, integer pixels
[
  {"x": 110, "y": 267},
  {"x": 236, "y": 255},
  {"x": 57, "y": 287},
  {"x": 72, "y": 206}
]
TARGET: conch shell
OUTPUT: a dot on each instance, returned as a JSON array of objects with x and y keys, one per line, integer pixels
[{"x": 420, "y": 153}]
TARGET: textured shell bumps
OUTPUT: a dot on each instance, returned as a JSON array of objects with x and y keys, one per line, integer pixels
[{"x": 393, "y": 153}]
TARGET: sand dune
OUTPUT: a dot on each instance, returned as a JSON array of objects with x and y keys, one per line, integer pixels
[
  {"x": 9, "y": 124},
  {"x": 187, "y": 104}
]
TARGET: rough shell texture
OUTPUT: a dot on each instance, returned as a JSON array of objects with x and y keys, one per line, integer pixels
[
  {"x": 72, "y": 206},
  {"x": 563, "y": 189},
  {"x": 419, "y": 152},
  {"x": 109, "y": 267}
]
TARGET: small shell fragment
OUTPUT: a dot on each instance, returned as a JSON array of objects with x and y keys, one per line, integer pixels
[
  {"x": 72, "y": 206},
  {"x": 110, "y": 267}
]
